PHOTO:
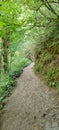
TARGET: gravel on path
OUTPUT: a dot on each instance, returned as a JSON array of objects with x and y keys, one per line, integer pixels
[{"x": 32, "y": 105}]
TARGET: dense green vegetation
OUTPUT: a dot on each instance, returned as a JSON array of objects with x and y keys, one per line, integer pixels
[
  {"x": 27, "y": 26},
  {"x": 8, "y": 81},
  {"x": 47, "y": 48},
  {"x": 13, "y": 52}
]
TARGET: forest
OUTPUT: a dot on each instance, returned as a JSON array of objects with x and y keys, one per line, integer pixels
[{"x": 29, "y": 32}]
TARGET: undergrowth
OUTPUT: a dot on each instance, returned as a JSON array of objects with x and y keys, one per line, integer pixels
[
  {"x": 8, "y": 81},
  {"x": 49, "y": 70},
  {"x": 47, "y": 57}
]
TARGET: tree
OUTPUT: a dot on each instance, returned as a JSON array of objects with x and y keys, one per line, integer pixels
[
  {"x": 8, "y": 22},
  {"x": 0, "y": 56}
]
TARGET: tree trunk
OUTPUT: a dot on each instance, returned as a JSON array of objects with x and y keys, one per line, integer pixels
[
  {"x": 0, "y": 55},
  {"x": 0, "y": 63},
  {"x": 5, "y": 54}
]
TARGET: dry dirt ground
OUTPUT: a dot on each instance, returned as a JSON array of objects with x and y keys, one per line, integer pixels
[{"x": 32, "y": 105}]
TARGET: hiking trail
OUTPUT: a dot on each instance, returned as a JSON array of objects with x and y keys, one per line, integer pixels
[{"x": 32, "y": 105}]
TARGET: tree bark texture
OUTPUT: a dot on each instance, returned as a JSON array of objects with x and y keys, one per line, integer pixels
[{"x": 5, "y": 54}]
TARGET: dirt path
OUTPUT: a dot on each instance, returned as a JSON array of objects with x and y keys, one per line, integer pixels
[{"x": 32, "y": 106}]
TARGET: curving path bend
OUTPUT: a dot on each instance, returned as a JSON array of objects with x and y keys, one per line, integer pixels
[{"x": 32, "y": 105}]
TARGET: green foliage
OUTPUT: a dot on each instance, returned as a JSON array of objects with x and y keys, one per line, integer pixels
[
  {"x": 12, "y": 29},
  {"x": 47, "y": 64},
  {"x": 17, "y": 66},
  {"x": 52, "y": 76},
  {"x": 7, "y": 19},
  {"x": 6, "y": 85},
  {"x": 46, "y": 54},
  {"x": 22, "y": 23},
  {"x": 46, "y": 57},
  {"x": 46, "y": 51},
  {"x": 7, "y": 81},
  {"x": 57, "y": 86}
]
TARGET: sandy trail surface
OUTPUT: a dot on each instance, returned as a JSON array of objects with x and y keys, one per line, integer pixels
[{"x": 32, "y": 105}]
